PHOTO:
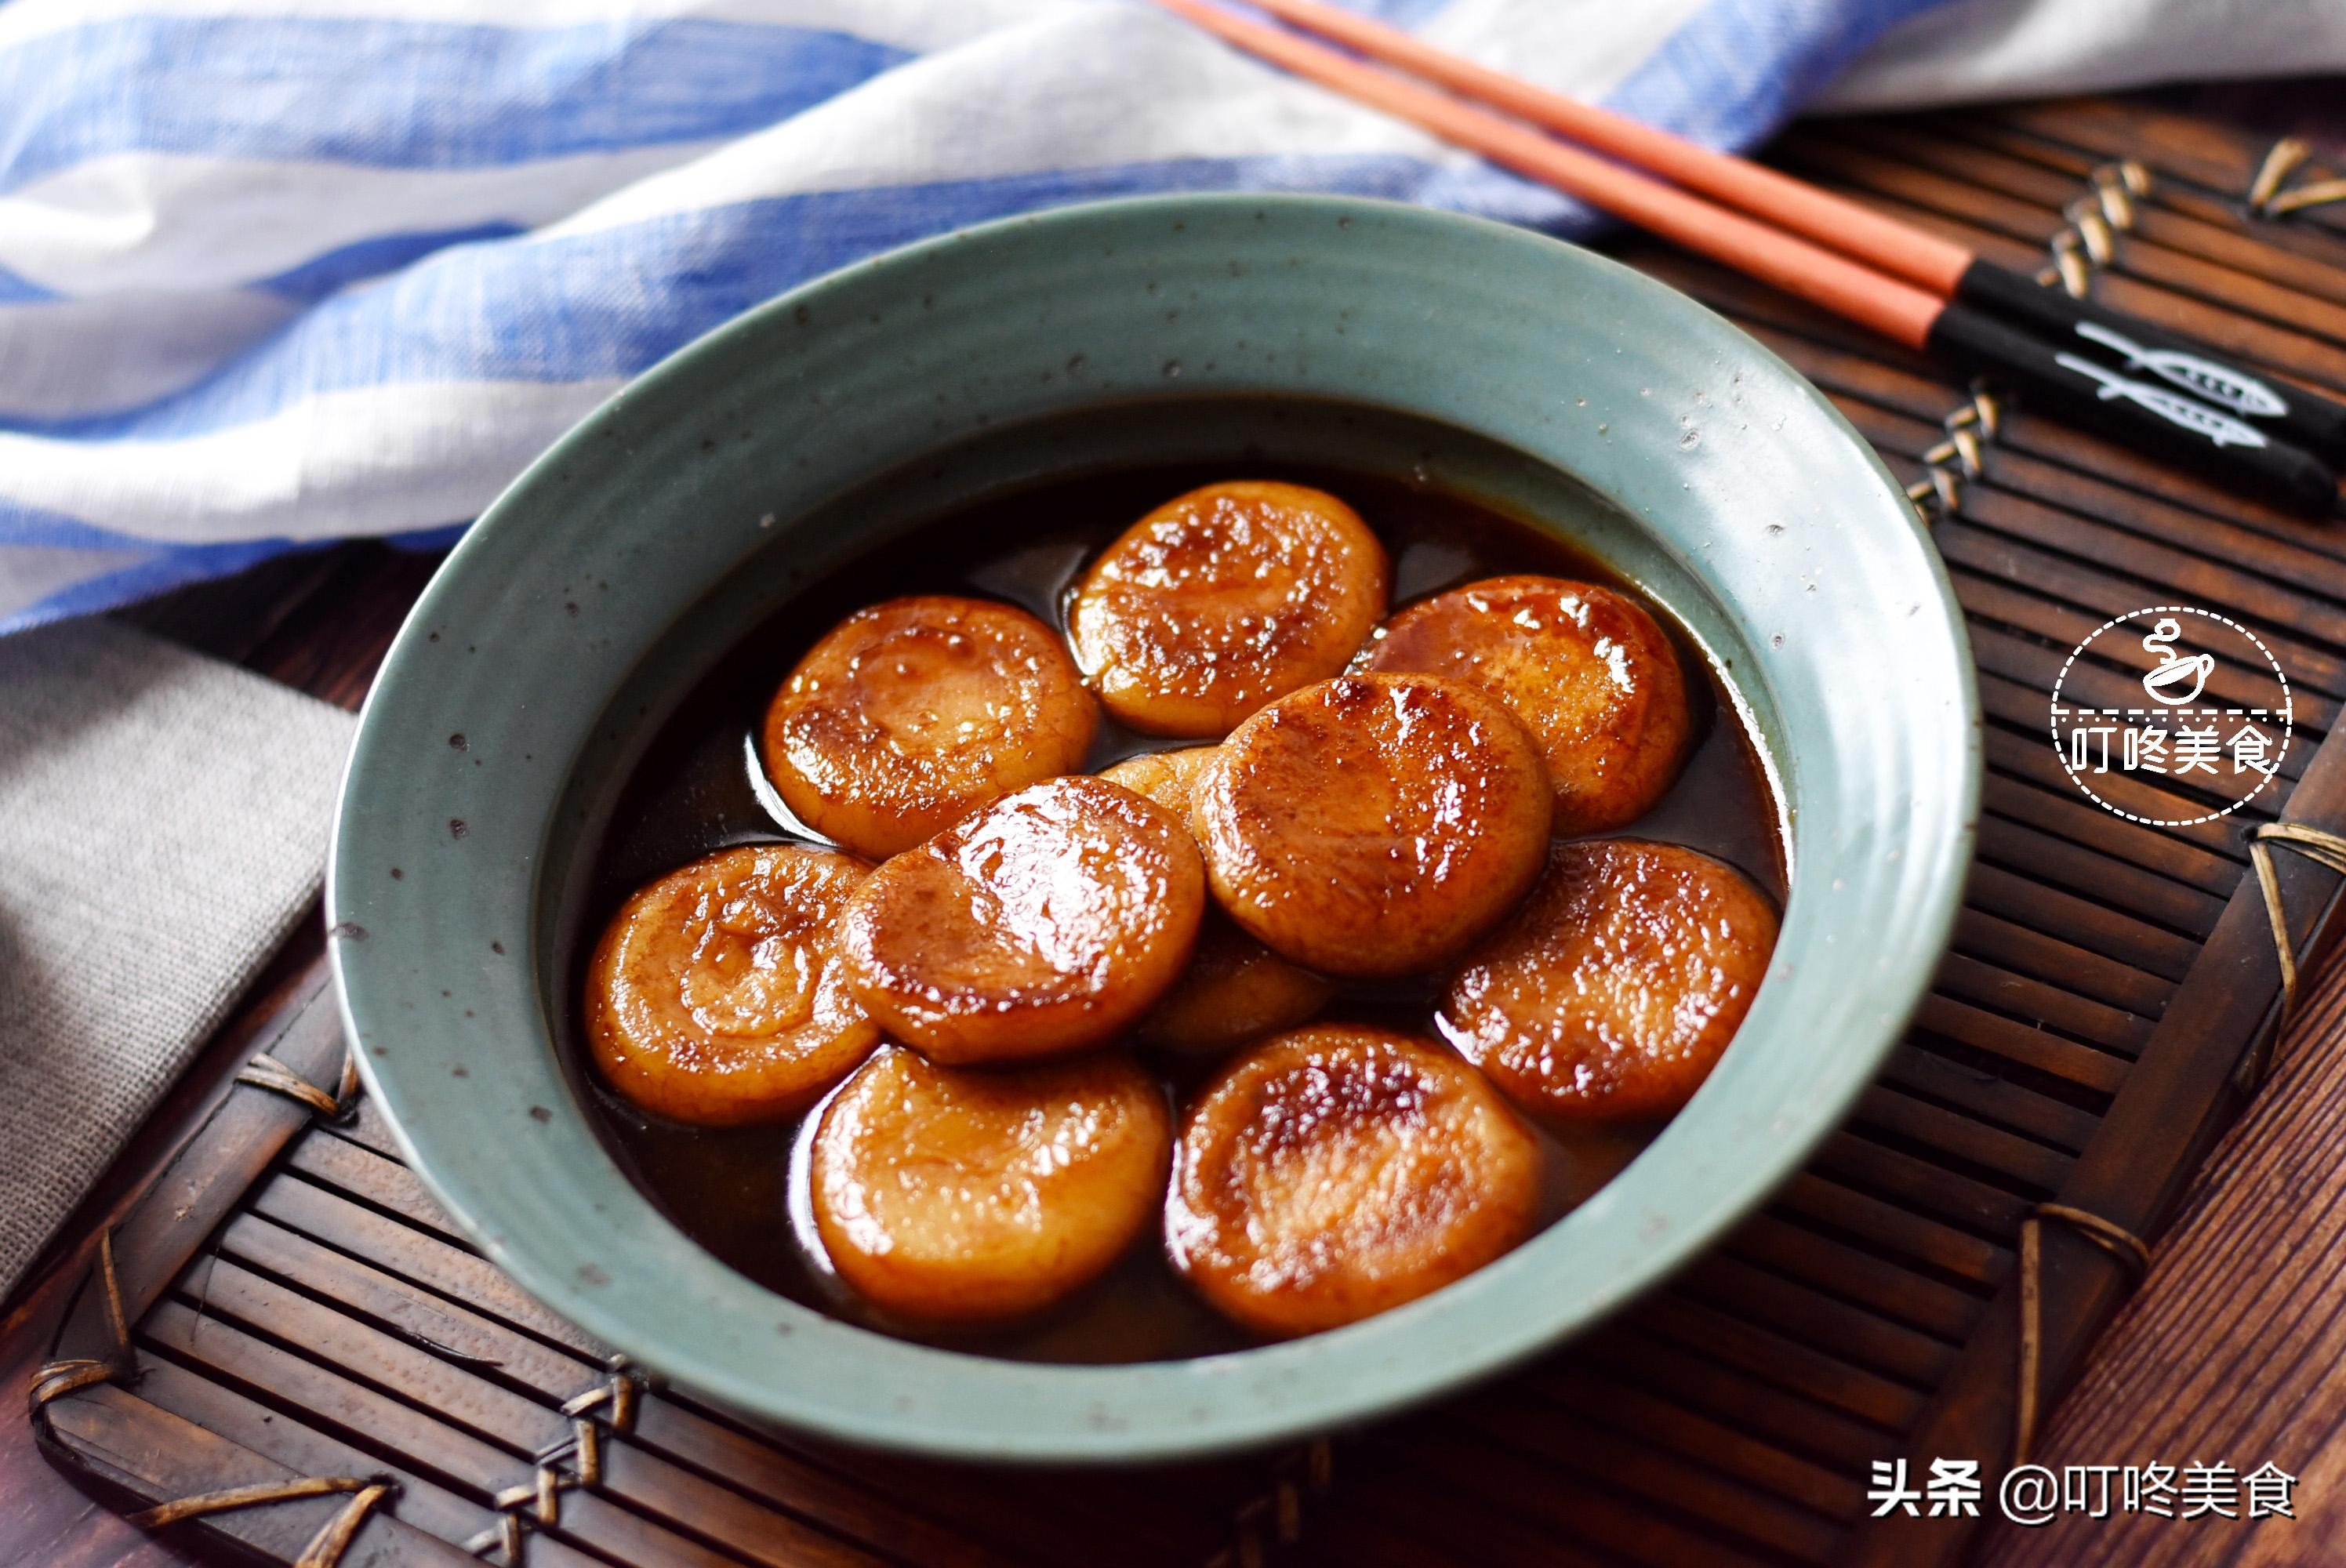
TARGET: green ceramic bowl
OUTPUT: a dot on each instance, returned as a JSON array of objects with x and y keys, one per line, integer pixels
[{"x": 617, "y": 568}]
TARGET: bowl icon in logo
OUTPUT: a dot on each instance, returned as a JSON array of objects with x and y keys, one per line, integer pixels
[{"x": 2178, "y": 677}]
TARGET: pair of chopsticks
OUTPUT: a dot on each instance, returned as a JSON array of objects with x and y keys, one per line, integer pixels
[{"x": 2167, "y": 394}]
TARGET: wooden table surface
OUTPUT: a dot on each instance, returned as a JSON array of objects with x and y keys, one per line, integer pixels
[
  {"x": 2234, "y": 1350},
  {"x": 2227, "y": 1352},
  {"x": 2230, "y": 1352}
]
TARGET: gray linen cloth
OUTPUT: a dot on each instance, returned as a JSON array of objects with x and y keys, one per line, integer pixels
[{"x": 163, "y": 823}]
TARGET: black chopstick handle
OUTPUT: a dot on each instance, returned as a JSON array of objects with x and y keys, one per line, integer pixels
[
  {"x": 2147, "y": 413},
  {"x": 2148, "y": 352}
]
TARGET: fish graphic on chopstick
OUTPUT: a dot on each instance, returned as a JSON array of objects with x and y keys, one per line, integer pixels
[
  {"x": 2217, "y": 384},
  {"x": 2221, "y": 430}
]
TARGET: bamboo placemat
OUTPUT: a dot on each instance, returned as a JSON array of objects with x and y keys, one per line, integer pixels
[{"x": 295, "y": 1307}]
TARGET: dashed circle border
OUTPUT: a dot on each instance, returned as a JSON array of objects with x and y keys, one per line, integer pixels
[{"x": 2287, "y": 716}]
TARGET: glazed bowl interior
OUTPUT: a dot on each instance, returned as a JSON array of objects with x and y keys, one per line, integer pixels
[{"x": 1546, "y": 382}]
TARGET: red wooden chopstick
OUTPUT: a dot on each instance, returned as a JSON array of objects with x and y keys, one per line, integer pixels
[
  {"x": 1894, "y": 309},
  {"x": 1901, "y": 249},
  {"x": 1945, "y": 269},
  {"x": 1942, "y": 299}
]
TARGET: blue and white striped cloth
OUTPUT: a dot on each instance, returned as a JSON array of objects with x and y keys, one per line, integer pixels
[{"x": 274, "y": 272}]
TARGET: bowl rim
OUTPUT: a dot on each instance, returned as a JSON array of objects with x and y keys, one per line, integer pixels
[{"x": 1124, "y": 1413}]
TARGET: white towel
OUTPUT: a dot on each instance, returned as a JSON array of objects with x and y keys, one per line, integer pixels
[{"x": 279, "y": 271}]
